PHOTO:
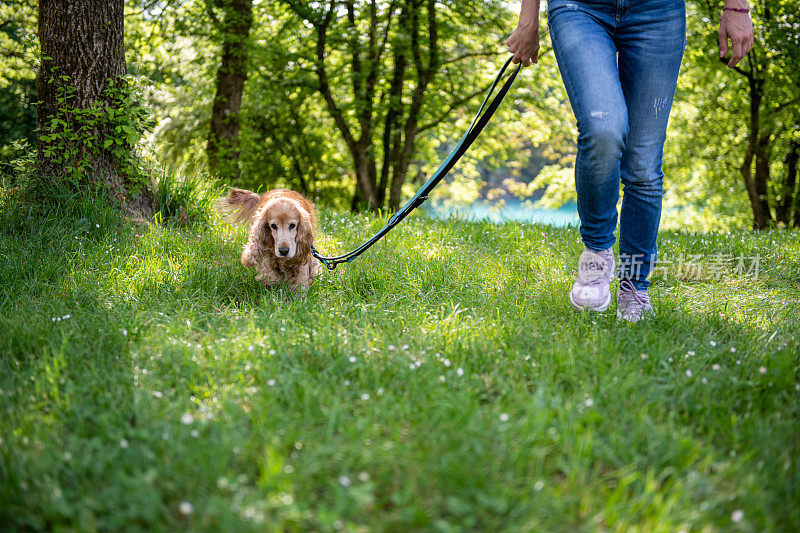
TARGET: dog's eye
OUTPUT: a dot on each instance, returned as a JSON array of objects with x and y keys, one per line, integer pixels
[
  {"x": 274, "y": 226},
  {"x": 292, "y": 226}
]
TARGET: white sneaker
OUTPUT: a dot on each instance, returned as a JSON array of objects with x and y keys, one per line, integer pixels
[
  {"x": 632, "y": 305},
  {"x": 592, "y": 289}
]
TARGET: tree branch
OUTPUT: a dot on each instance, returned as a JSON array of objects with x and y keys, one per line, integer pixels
[
  {"x": 452, "y": 107},
  {"x": 467, "y": 55}
]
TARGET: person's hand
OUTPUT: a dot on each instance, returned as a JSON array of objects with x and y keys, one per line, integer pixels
[
  {"x": 739, "y": 29},
  {"x": 524, "y": 43}
]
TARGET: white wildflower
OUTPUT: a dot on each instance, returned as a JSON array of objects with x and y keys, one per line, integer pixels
[
  {"x": 186, "y": 508},
  {"x": 187, "y": 419}
]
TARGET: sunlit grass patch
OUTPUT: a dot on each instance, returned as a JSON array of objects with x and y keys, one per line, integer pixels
[{"x": 439, "y": 382}]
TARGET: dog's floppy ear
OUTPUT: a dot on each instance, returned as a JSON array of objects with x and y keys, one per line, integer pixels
[
  {"x": 239, "y": 206},
  {"x": 305, "y": 235}
]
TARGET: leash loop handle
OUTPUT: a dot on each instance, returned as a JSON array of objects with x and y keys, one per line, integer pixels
[{"x": 475, "y": 128}]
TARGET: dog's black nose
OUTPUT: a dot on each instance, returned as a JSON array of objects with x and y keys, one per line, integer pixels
[{"x": 284, "y": 251}]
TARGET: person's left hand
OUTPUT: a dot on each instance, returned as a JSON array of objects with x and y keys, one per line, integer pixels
[{"x": 739, "y": 29}]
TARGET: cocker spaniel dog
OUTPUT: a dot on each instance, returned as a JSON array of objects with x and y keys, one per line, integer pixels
[{"x": 282, "y": 229}]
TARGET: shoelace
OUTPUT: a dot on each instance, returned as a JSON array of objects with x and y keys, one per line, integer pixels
[{"x": 628, "y": 287}]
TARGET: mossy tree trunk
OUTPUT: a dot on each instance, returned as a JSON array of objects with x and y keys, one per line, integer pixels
[{"x": 83, "y": 54}]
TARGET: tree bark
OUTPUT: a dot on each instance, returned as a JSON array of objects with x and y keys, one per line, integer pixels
[
  {"x": 791, "y": 205},
  {"x": 762, "y": 174},
  {"x": 222, "y": 148},
  {"x": 82, "y": 48},
  {"x": 755, "y": 191}
]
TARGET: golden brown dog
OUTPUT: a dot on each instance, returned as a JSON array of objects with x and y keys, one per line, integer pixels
[{"x": 282, "y": 230}]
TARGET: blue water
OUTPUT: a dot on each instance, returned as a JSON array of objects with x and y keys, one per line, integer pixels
[{"x": 511, "y": 211}]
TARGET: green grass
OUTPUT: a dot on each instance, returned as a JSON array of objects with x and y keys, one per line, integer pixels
[{"x": 440, "y": 383}]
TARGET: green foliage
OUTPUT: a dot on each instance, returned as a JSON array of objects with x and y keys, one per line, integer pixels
[
  {"x": 711, "y": 122},
  {"x": 19, "y": 52},
  {"x": 440, "y": 383},
  {"x": 288, "y": 137},
  {"x": 77, "y": 137}
]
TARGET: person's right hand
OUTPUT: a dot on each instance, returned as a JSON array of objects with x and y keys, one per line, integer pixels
[
  {"x": 739, "y": 29},
  {"x": 524, "y": 44}
]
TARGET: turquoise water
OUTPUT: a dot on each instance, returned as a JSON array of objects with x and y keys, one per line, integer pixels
[{"x": 511, "y": 211}]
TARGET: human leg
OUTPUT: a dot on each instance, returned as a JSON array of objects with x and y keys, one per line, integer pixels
[{"x": 650, "y": 40}]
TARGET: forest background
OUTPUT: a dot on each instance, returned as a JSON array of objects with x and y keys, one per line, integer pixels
[{"x": 354, "y": 103}]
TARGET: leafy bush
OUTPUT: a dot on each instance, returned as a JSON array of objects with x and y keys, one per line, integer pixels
[{"x": 76, "y": 136}]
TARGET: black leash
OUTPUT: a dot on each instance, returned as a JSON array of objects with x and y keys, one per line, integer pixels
[{"x": 478, "y": 123}]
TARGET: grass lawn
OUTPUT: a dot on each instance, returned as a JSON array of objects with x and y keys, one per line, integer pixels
[{"x": 439, "y": 383}]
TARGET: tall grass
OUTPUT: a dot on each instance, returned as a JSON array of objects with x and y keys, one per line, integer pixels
[{"x": 183, "y": 198}]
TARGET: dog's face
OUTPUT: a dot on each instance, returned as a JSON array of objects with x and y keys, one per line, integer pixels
[{"x": 287, "y": 228}]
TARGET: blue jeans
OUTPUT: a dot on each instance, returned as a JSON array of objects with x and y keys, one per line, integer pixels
[{"x": 619, "y": 60}]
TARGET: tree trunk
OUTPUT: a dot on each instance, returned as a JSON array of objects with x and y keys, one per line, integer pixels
[
  {"x": 761, "y": 177},
  {"x": 222, "y": 148},
  {"x": 365, "y": 174},
  {"x": 400, "y": 168},
  {"x": 391, "y": 128},
  {"x": 758, "y": 200},
  {"x": 83, "y": 54},
  {"x": 425, "y": 74},
  {"x": 788, "y": 202}
]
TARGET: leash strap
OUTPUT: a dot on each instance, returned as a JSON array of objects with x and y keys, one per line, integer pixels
[{"x": 478, "y": 123}]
